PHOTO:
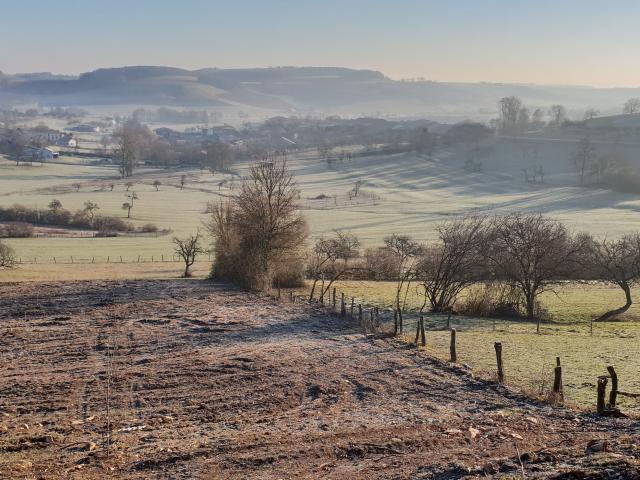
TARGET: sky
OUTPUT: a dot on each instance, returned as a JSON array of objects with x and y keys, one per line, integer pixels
[{"x": 577, "y": 42}]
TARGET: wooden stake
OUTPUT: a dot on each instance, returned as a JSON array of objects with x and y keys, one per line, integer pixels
[
  {"x": 353, "y": 304},
  {"x": 498, "y": 347},
  {"x": 360, "y": 312},
  {"x": 400, "y": 320},
  {"x": 417, "y": 332},
  {"x": 422, "y": 335},
  {"x": 334, "y": 298},
  {"x": 343, "y": 306},
  {"x": 602, "y": 390},
  {"x": 614, "y": 386},
  {"x": 557, "y": 380},
  {"x": 452, "y": 347}
]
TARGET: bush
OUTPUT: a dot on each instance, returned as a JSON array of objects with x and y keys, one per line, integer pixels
[
  {"x": 17, "y": 230},
  {"x": 111, "y": 224},
  {"x": 149, "y": 228}
]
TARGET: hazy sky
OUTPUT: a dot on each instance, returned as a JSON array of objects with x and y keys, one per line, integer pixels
[{"x": 539, "y": 41}]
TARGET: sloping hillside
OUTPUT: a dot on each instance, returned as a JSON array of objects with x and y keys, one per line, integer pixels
[{"x": 201, "y": 381}]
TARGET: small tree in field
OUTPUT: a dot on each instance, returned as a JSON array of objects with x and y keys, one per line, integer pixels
[
  {"x": 187, "y": 249},
  {"x": 55, "y": 205},
  {"x": 157, "y": 183},
  {"x": 183, "y": 180},
  {"x": 7, "y": 257},
  {"x": 405, "y": 250},
  {"x": 330, "y": 258},
  {"x": 76, "y": 186},
  {"x": 90, "y": 209},
  {"x": 128, "y": 186},
  {"x": 132, "y": 196}
]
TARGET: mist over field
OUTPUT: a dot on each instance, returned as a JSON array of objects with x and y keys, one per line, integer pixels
[{"x": 302, "y": 240}]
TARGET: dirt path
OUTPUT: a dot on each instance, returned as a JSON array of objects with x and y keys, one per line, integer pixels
[{"x": 202, "y": 381}]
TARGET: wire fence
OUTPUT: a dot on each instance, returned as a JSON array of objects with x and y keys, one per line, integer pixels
[{"x": 108, "y": 259}]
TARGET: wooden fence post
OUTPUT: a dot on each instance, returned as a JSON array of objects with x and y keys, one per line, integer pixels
[
  {"x": 602, "y": 390},
  {"x": 120, "y": 258},
  {"x": 291, "y": 296},
  {"x": 108, "y": 259},
  {"x": 343, "y": 306},
  {"x": 422, "y": 335},
  {"x": 353, "y": 304},
  {"x": 400, "y": 321},
  {"x": 417, "y": 332},
  {"x": 557, "y": 380},
  {"x": 360, "y": 312},
  {"x": 54, "y": 260},
  {"x": 377, "y": 312},
  {"x": 614, "y": 386},
  {"x": 452, "y": 346},
  {"x": 72, "y": 259},
  {"x": 498, "y": 348},
  {"x": 371, "y": 318},
  {"x": 334, "y": 298}
]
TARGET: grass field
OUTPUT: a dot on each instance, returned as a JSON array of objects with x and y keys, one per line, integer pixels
[{"x": 530, "y": 357}]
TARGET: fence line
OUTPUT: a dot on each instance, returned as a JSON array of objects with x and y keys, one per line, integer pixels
[
  {"x": 109, "y": 259},
  {"x": 372, "y": 321}
]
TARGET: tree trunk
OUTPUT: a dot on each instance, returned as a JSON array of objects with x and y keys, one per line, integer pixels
[{"x": 618, "y": 311}]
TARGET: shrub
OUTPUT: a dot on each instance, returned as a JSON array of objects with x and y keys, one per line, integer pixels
[
  {"x": 259, "y": 231},
  {"x": 111, "y": 224},
  {"x": 17, "y": 230},
  {"x": 149, "y": 228}
]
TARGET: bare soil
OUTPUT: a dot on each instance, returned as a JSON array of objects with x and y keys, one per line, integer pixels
[{"x": 196, "y": 380}]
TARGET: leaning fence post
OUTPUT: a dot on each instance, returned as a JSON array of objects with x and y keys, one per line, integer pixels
[
  {"x": 371, "y": 318},
  {"x": 452, "y": 346},
  {"x": 614, "y": 386},
  {"x": 602, "y": 390},
  {"x": 557, "y": 380},
  {"x": 498, "y": 347},
  {"x": 291, "y": 296}
]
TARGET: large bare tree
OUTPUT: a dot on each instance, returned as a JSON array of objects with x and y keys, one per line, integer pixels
[
  {"x": 533, "y": 253},
  {"x": 631, "y": 106},
  {"x": 453, "y": 263},
  {"x": 509, "y": 109}
]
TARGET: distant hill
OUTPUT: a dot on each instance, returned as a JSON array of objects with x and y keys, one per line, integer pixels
[{"x": 296, "y": 90}]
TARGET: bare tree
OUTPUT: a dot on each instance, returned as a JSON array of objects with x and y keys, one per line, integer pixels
[
  {"x": 183, "y": 180},
  {"x": 509, "y": 109},
  {"x": 617, "y": 262},
  {"x": 188, "y": 249},
  {"x": 7, "y": 257},
  {"x": 330, "y": 258},
  {"x": 631, "y": 106},
  {"x": 128, "y": 186},
  {"x": 90, "y": 209},
  {"x": 533, "y": 253},
  {"x": 76, "y": 186},
  {"x": 129, "y": 140},
  {"x": 157, "y": 183},
  {"x": 105, "y": 141},
  {"x": 406, "y": 250},
  {"x": 584, "y": 156},
  {"x": 259, "y": 228},
  {"x": 132, "y": 196},
  {"x": 558, "y": 114},
  {"x": 455, "y": 262}
]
